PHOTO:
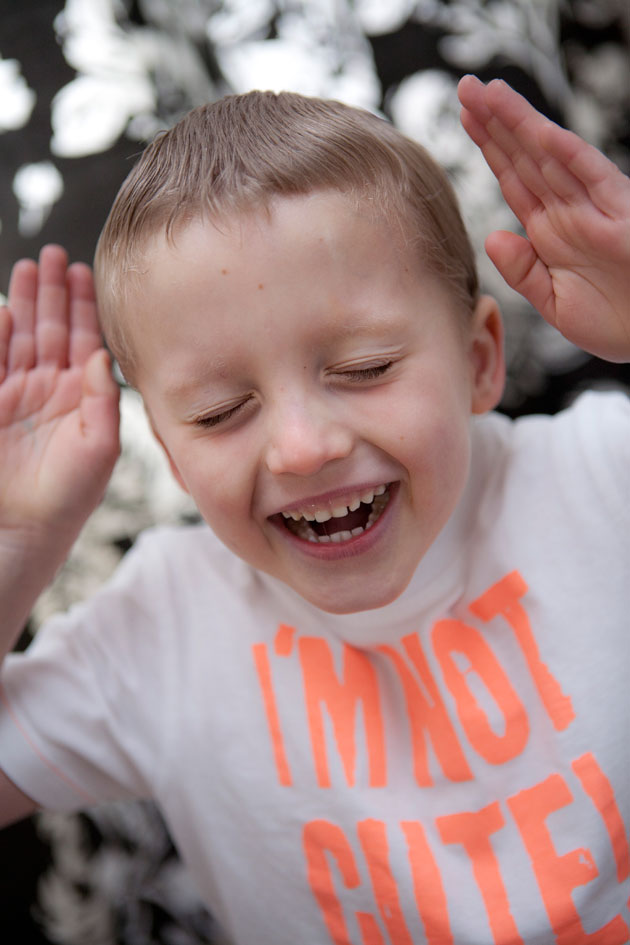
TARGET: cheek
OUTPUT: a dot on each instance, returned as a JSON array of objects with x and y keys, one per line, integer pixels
[
  {"x": 222, "y": 511},
  {"x": 217, "y": 496},
  {"x": 222, "y": 491},
  {"x": 438, "y": 455}
]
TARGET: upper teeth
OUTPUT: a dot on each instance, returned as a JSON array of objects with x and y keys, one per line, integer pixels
[{"x": 323, "y": 514}]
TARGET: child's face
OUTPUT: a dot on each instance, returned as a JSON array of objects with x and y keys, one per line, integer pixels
[{"x": 303, "y": 361}]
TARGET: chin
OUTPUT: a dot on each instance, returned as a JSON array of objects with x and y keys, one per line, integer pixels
[
  {"x": 353, "y": 603},
  {"x": 351, "y": 608}
]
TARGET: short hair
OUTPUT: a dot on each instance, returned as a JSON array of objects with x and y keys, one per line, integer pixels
[{"x": 241, "y": 152}]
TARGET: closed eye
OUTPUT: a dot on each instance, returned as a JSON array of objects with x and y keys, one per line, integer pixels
[
  {"x": 367, "y": 373},
  {"x": 213, "y": 420}
]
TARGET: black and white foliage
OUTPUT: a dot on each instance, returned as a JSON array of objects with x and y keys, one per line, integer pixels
[
  {"x": 16, "y": 97},
  {"x": 117, "y": 878}
]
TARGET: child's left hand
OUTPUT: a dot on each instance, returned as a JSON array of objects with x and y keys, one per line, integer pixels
[{"x": 574, "y": 265}]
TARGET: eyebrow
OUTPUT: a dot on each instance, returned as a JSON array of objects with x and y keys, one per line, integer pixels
[
  {"x": 218, "y": 367},
  {"x": 372, "y": 327}
]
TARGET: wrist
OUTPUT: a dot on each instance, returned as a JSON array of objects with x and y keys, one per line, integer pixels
[{"x": 29, "y": 560}]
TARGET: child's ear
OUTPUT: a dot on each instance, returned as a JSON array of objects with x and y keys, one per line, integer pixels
[{"x": 486, "y": 354}]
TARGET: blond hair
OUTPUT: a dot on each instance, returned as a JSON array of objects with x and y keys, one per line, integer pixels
[{"x": 243, "y": 151}]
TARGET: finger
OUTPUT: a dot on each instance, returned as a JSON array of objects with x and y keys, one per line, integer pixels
[
  {"x": 474, "y": 128},
  {"x": 547, "y": 178},
  {"x": 522, "y": 269},
  {"x": 515, "y": 190},
  {"x": 512, "y": 124},
  {"x": 517, "y": 117},
  {"x": 51, "y": 326},
  {"x": 98, "y": 380},
  {"x": 472, "y": 95},
  {"x": 530, "y": 181},
  {"x": 607, "y": 186},
  {"x": 518, "y": 195},
  {"x": 99, "y": 410},
  {"x": 21, "y": 303},
  {"x": 506, "y": 115},
  {"x": 527, "y": 162},
  {"x": 85, "y": 335},
  {"x": 6, "y": 326},
  {"x": 524, "y": 135}
]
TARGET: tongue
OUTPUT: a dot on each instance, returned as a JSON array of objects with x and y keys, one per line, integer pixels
[{"x": 347, "y": 523}]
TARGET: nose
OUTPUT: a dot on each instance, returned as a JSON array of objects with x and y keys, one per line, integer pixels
[{"x": 304, "y": 437}]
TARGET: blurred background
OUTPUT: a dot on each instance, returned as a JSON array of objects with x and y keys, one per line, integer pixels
[{"x": 83, "y": 86}]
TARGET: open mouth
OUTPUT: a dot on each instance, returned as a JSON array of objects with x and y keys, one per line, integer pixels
[{"x": 337, "y": 523}]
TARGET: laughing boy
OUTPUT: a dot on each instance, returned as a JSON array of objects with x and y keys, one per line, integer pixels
[{"x": 381, "y": 694}]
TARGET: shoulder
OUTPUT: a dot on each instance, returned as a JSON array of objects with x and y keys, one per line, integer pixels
[
  {"x": 172, "y": 582},
  {"x": 594, "y": 415},
  {"x": 575, "y": 461},
  {"x": 587, "y": 445},
  {"x": 595, "y": 426},
  {"x": 169, "y": 558},
  {"x": 591, "y": 413}
]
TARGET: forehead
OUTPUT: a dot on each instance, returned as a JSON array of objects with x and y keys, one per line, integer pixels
[
  {"x": 306, "y": 268},
  {"x": 317, "y": 230}
]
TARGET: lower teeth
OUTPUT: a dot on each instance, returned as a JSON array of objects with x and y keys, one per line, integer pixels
[{"x": 303, "y": 529}]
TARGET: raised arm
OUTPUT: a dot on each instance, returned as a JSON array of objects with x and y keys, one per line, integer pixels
[
  {"x": 574, "y": 205},
  {"x": 58, "y": 426}
]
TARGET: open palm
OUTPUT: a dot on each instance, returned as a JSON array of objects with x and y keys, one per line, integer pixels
[
  {"x": 574, "y": 205},
  {"x": 58, "y": 402}
]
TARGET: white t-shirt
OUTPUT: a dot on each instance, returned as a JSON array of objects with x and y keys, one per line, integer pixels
[{"x": 452, "y": 768}]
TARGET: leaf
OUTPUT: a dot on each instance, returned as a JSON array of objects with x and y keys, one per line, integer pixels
[
  {"x": 90, "y": 113},
  {"x": 17, "y": 100}
]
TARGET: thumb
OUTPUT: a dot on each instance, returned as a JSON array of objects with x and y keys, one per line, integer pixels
[
  {"x": 97, "y": 376},
  {"x": 99, "y": 403},
  {"x": 523, "y": 270}
]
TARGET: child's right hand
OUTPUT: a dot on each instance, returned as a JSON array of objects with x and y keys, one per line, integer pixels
[{"x": 58, "y": 407}]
